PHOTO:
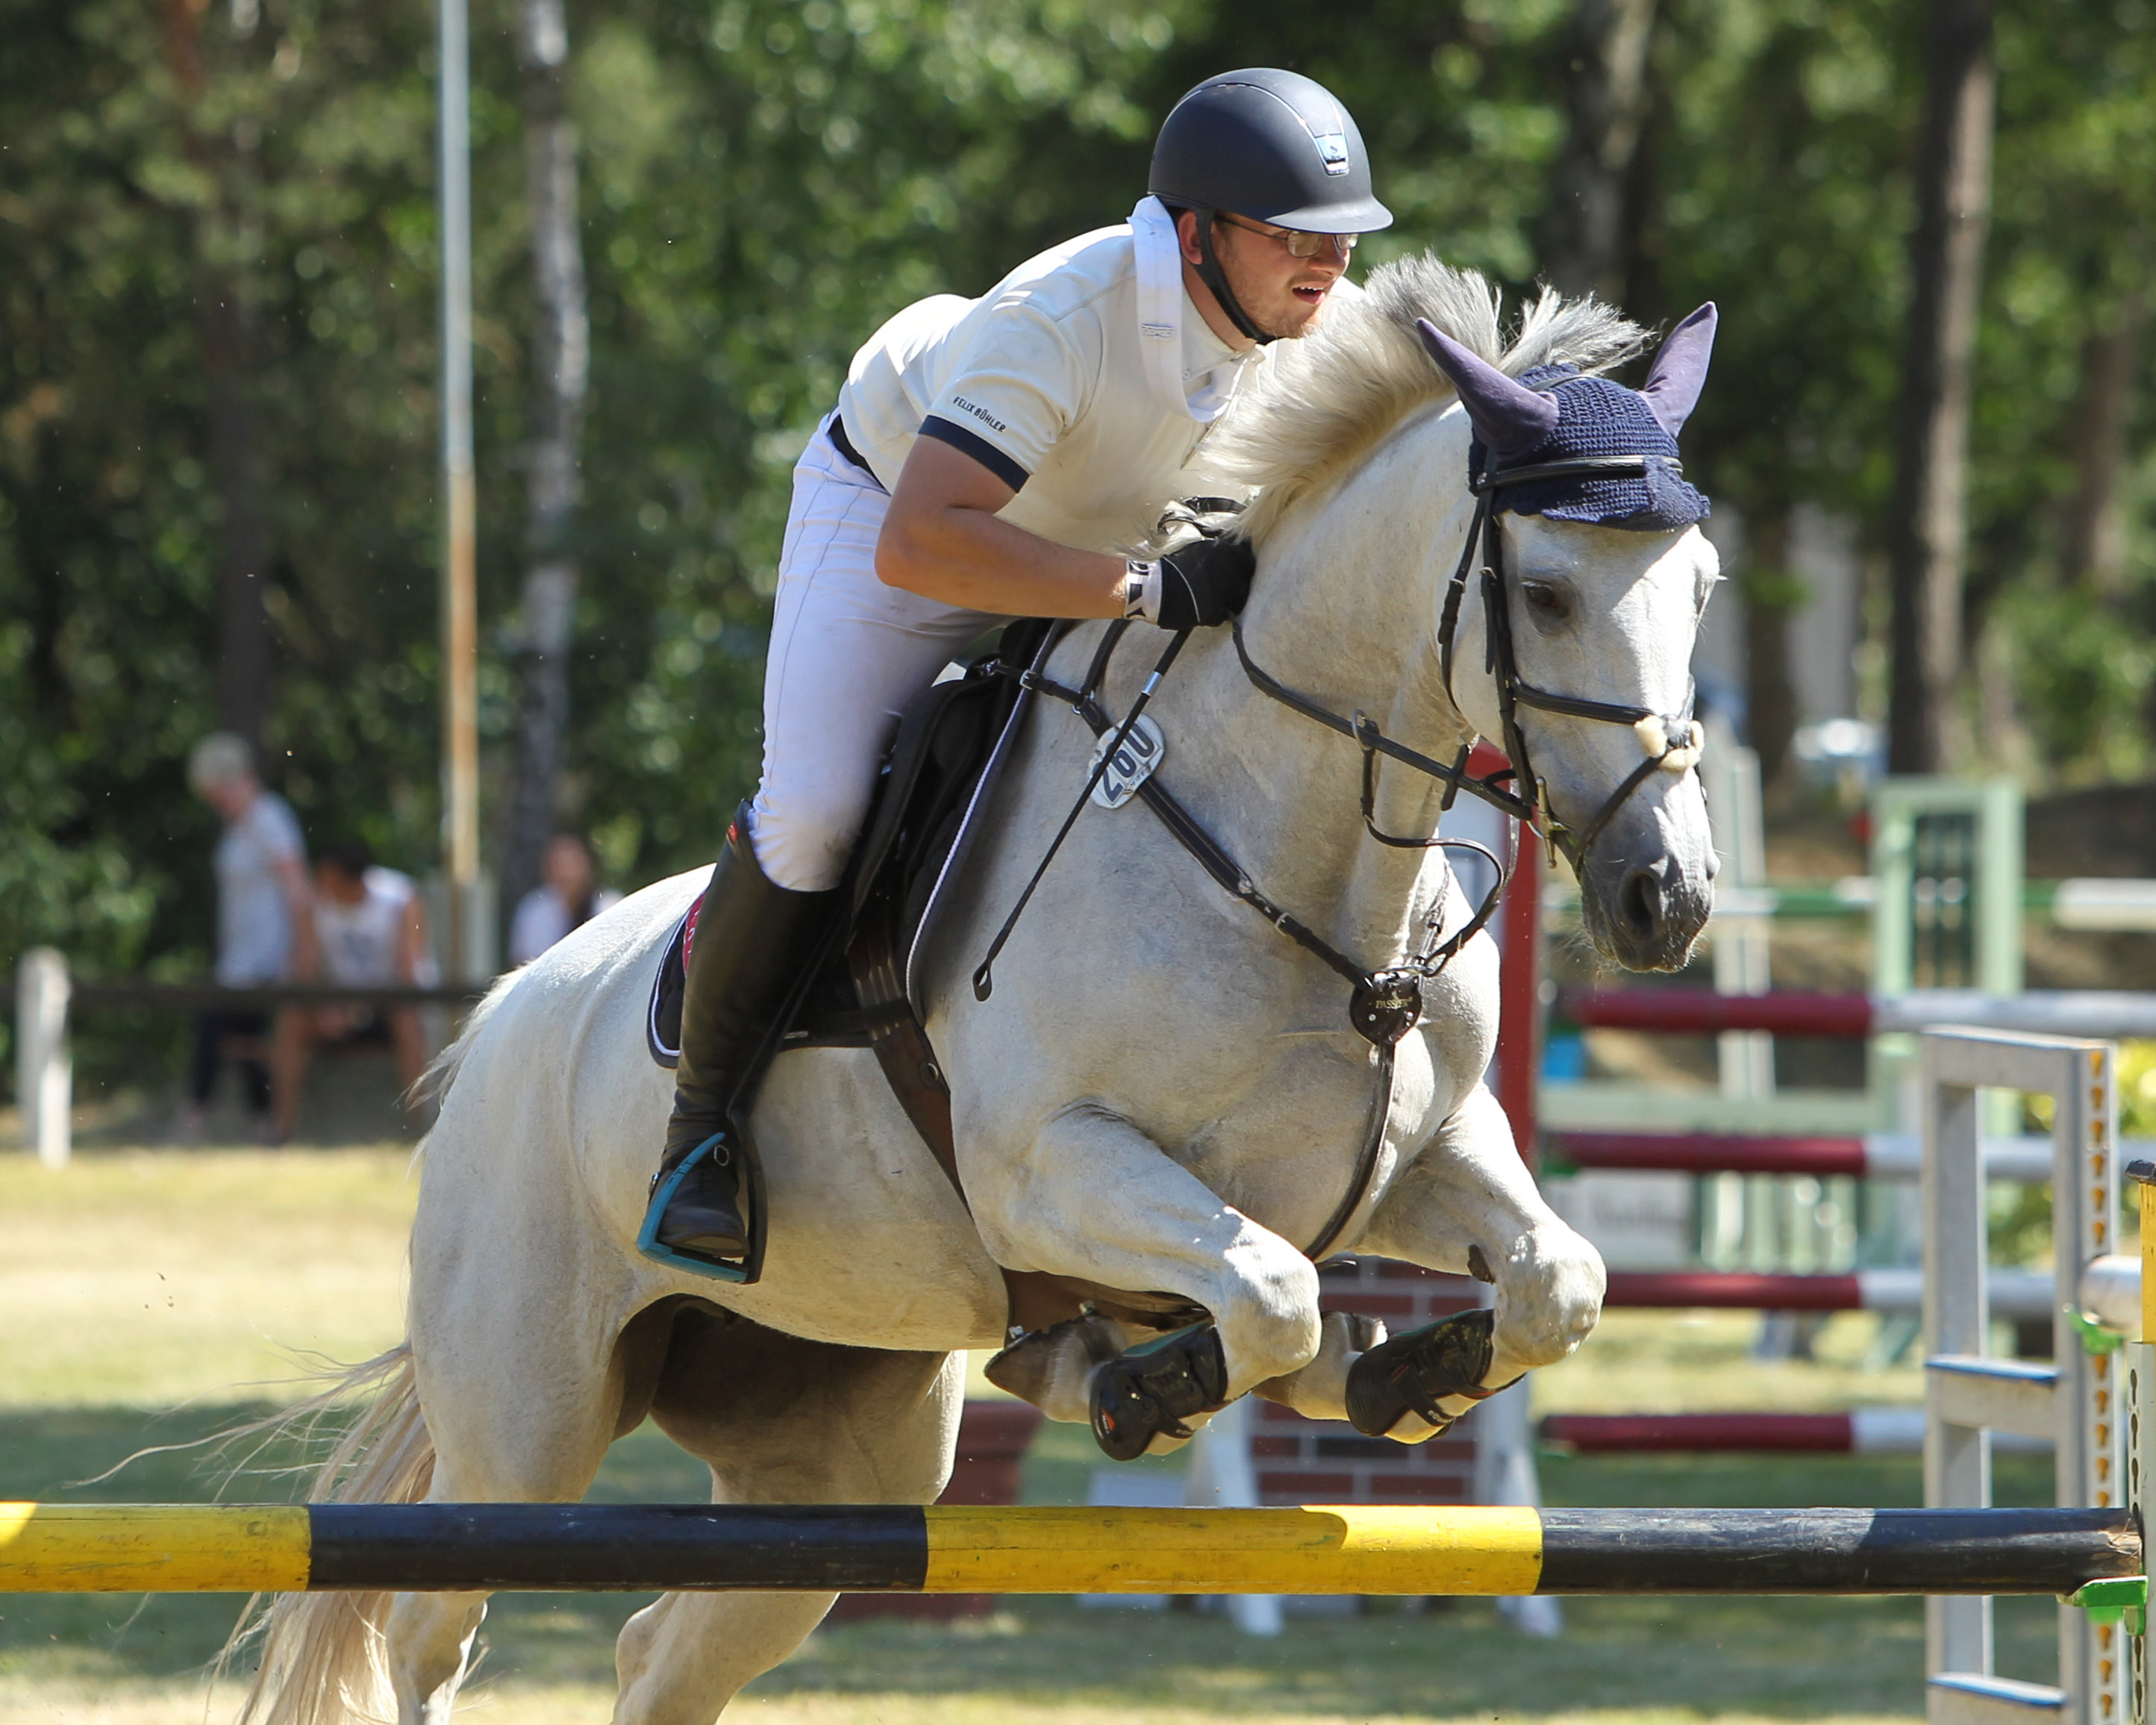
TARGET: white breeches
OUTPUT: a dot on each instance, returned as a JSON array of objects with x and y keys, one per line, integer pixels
[{"x": 848, "y": 655}]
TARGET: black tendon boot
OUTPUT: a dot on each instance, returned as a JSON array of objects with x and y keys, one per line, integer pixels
[{"x": 752, "y": 938}]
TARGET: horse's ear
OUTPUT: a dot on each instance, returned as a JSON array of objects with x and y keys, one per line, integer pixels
[
  {"x": 1509, "y": 417},
  {"x": 1679, "y": 372}
]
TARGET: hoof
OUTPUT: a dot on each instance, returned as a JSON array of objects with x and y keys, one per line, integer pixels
[
  {"x": 1414, "y": 1373},
  {"x": 1053, "y": 1368}
]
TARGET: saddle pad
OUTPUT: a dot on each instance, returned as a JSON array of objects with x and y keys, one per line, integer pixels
[
  {"x": 827, "y": 1017},
  {"x": 662, "y": 1016}
]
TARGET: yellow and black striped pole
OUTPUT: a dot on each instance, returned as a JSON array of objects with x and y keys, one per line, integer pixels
[{"x": 885, "y": 1548}]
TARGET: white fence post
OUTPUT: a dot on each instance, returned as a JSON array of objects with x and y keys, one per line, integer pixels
[
  {"x": 44, "y": 1072},
  {"x": 1223, "y": 1476},
  {"x": 1505, "y": 1476}
]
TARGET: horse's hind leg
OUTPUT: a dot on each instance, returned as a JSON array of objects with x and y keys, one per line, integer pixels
[
  {"x": 523, "y": 1414},
  {"x": 555, "y": 1456},
  {"x": 778, "y": 1420}
]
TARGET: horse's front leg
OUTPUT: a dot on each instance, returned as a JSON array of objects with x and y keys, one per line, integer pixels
[
  {"x": 1467, "y": 1202},
  {"x": 1093, "y": 1197}
]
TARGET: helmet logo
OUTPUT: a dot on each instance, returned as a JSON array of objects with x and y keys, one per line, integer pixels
[{"x": 1333, "y": 151}]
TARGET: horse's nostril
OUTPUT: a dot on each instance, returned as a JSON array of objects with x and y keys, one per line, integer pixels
[{"x": 1640, "y": 903}]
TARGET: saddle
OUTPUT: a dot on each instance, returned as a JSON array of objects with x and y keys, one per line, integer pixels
[{"x": 860, "y": 991}]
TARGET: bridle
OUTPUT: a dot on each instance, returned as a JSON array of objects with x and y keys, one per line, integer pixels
[
  {"x": 1670, "y": 741},
  {"x": 1385, "y": 1004}
]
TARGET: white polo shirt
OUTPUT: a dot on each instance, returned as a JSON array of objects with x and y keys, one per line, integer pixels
[
  {"x": 1085, "y": 379},
  {"x": 362, "y": 943}
]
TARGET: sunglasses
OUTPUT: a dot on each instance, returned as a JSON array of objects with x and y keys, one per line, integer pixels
[{"x": 1299, "y": 244}]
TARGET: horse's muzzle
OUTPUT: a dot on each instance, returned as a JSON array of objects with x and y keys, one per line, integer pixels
[{"x": 1645, "y": 915}]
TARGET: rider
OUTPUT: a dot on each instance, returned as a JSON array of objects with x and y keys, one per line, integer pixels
[{"x": 1006, "y": 456}]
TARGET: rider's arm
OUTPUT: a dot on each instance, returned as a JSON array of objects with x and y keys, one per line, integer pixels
[{"x": 943, "y": 539}]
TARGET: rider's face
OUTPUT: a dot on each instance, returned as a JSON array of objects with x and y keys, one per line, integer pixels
[{"x": 1281, "y": 294}]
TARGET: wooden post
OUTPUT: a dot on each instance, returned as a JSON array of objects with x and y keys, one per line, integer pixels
[
  {"x": 460, "y": 508},
  {"x": 561, "y": 350},
  {"x": 44, "y": 1075}
]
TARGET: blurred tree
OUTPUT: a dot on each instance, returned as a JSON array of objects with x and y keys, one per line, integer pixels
[
  {"x": 2092, "y": 529},
  {"x": 1928, "y": 532},
  {"x": 119, "y": 249},
  {"x": 2061, "y": 377},
  {"x": 1774, "y": 194},
  {"x": 761, "y": 183},
  {"x": 1610, "y": 93},
  {"x": 220, "y": 137}
]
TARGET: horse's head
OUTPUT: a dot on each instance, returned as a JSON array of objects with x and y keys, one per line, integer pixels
[{"x": 1569, "y": 636}]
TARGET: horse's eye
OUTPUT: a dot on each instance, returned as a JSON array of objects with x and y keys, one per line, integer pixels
[{"x": 1545, "y": 600}]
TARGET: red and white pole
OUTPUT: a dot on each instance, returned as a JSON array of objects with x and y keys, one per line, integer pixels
[{"x": 1519, "y": 977}]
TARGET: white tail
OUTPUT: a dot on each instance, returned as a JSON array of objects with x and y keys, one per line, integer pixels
[
  {"x": 322, "y": 1654},
  {"x": 322, "y": 1660}
]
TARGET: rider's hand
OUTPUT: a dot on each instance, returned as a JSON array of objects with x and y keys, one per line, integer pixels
[{"x": 1196, "y": 586}]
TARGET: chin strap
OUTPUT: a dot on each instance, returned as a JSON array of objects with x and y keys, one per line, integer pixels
[{"x": 1215, "y": 277}]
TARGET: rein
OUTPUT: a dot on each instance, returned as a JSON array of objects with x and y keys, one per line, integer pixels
[{"x": 1385, "y": 1004}]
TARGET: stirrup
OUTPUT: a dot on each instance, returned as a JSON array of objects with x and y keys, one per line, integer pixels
[{"x": 647, "y": 1242}]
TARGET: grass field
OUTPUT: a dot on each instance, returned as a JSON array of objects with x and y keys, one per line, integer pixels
[{"x": 135, "y": 1282}]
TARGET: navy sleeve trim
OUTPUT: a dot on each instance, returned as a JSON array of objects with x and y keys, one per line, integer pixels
[{"x": 969, "y": 443}]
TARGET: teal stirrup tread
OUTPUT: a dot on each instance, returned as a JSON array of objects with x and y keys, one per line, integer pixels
[{"x": 649, "y": 1243}]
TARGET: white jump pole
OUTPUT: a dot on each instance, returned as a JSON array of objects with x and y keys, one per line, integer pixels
[
  {"x": 1505, "y": 1476},
  {"x": 44, "y": 1072}
]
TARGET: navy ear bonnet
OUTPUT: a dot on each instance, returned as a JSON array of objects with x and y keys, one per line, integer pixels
[{"x": 1596, "y": 417}]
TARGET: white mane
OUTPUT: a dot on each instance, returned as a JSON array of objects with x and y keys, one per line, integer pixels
[{"x": 1321, "y": 404}]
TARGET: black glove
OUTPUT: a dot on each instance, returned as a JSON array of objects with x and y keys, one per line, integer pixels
[{"x": 1201, "y": 585}]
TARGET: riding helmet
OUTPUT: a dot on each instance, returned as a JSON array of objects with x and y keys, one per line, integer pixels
[{"x": 1271, "y": 146}]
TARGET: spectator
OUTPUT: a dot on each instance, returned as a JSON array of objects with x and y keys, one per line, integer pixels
[
  {"x": 263, "y": 925},
  {"x": 370, "y": 932},
  {"x": 569, "y": 898}
]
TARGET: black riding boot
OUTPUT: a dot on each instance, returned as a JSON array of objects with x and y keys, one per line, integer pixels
[{"x": 751, "y": 940}]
